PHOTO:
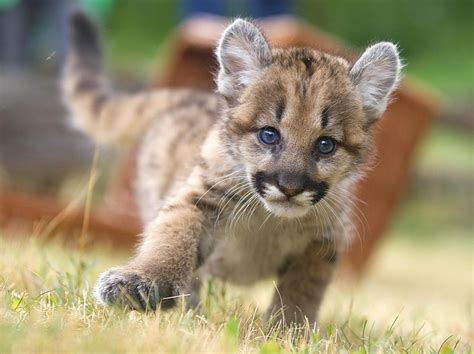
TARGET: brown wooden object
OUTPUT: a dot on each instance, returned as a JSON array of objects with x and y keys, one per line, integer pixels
[{"x": 105, "y": 223}]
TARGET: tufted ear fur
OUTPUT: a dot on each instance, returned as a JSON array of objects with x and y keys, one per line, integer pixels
[
  {"x": 375, "y": 75},
  {"x": 242, "y": 54}
]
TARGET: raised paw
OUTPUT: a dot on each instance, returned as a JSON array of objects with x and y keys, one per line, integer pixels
[{"x": 133, "y": 290}]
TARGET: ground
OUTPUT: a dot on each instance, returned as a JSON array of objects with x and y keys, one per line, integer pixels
[{"x": 414, "y": 298}]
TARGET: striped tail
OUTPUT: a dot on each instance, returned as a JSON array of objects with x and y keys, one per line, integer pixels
[{"x": 106, "y": 116}]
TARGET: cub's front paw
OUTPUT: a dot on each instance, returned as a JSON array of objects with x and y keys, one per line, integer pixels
[{"x": 132, "y": 290}]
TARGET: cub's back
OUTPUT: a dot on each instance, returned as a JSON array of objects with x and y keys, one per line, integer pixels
[{"x": 171, "y": 146}]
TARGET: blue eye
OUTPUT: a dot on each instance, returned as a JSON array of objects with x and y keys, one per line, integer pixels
[
  {"x": 269, "y": 136},
  {"x": 326, "y": 146}
]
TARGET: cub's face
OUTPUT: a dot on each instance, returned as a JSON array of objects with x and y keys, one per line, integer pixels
[
  {"x": 298, "y": 119},
  {"x": 298, "y": 130}
]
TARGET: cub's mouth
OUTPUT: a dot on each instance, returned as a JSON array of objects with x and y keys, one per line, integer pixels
[
  {"x": 286, "y": 208},
  {"x": 283, "y": 205}
]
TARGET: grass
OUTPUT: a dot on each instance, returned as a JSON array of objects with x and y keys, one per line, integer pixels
[{"x": 409, "y": 301}]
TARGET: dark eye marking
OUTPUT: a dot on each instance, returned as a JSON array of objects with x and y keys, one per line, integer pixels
[
  {"x": 283, "y": 268},
  {"x": 308, "y": 62},
  {"x": 325, "y": 117},
  {"x": 320, "y": 189},
  {"x": 258, "y": 180},
  {"x": 280, "y": 109}
]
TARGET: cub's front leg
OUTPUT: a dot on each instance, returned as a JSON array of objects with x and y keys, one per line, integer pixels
[
  {"x": 168, "y": 255},
  {"x": 301, "y": 285}
]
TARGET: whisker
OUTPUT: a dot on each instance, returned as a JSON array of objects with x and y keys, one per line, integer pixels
[
  {"x": 248, "y": 199},
  {"x": 354, "y": 229},
  {"x": 235, "y": 210},
  {"x": 234, "y": 191},
  {"x": 256, "y": 203},
  {"x": 219, "y": 181},
  {"x": 248, "y": 203},
  {"x": 264, "y": 221}
]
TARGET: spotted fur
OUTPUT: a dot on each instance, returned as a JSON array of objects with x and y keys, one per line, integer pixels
[{"x": 215, "y": 200}]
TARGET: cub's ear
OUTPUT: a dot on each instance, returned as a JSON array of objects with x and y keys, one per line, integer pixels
[
  {"x": 375, "y": 75},
  {"x": 242, "y": 54}
]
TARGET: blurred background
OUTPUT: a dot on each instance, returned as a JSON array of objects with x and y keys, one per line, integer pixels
[
  {"x": 425, "y": 258},
  {"x": 39, "y": 151}
]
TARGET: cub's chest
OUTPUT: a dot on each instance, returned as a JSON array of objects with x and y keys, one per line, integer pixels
[{"x": 256, "y": 248}]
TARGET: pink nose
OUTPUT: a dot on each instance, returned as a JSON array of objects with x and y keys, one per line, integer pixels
[{"x": 290, "y": 192}]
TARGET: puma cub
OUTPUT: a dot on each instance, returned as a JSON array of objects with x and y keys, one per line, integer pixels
[{"x": 250, "y": 182}]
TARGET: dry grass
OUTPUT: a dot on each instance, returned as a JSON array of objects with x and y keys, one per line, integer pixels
[{"x": 415, "y": 298}]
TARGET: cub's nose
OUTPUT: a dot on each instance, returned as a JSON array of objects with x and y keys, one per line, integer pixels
[
  {"x": 290, "y": 184},
  {"x": 289, "y": 191}
]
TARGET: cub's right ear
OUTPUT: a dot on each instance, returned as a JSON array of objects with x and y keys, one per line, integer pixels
[
  {"x": 375, "y": 76},
  {"x": 242, "y": 54}
]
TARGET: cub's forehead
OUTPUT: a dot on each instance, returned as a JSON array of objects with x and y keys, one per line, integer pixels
[
  {"x": 310, "y": 74},
  {"x": 310, "y": 61}
]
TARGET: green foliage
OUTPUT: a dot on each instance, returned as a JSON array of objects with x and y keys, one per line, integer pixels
[
  {"x": 270, "y": 347},
  {"x": 98, "y": 8},
  {"x": 4, "y": 4},
  {"x": 136, "y": 30},
  {"x": 436, "y": 37},
  {"x": 231, "y": 332}
]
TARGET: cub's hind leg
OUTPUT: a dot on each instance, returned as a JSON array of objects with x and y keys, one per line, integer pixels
[{"x": 302, "y": 284}]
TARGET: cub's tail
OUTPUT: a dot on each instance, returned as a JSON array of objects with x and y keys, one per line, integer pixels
[{"x": 106, "y": 116}]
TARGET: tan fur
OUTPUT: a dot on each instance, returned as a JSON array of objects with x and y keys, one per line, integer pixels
[{"x": 197, "y": 169}]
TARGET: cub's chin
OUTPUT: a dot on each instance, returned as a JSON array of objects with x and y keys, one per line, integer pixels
[{"x": 286, "y": 208}]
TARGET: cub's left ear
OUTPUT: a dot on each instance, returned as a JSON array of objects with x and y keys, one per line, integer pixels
[
  {"x": 375, "y": 75},
  {"x": 242, "y": 53}
]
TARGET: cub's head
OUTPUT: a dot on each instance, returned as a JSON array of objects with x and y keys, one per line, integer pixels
[{"x": 298, "y": 119}]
